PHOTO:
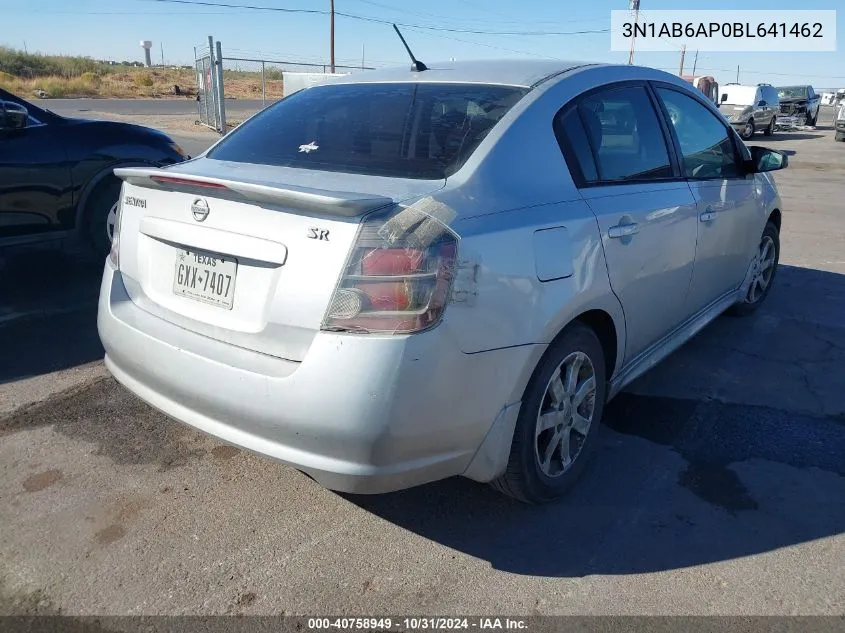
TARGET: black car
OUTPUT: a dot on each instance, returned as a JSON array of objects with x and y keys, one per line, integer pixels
[{"x": 56, "y": 179}]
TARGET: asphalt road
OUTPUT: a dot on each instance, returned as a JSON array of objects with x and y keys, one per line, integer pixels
[
  {"x": 158, "y": 107},
  {"x": 194, "y": 144},
  {"x": 718, "y": 486},
  {"x": 170, "y": 115}
]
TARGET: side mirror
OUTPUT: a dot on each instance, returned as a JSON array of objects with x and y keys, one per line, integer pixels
[
  {"x": 13, "y": 116},
  {"x": 763, "y": 159},
  {"x": 761, "y": 103}
]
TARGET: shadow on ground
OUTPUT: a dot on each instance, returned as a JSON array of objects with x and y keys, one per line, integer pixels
[
  {"x": 48, "y": 313},
  {"x": 676, "y": 482},
  {"x": 786, "y": 136}
]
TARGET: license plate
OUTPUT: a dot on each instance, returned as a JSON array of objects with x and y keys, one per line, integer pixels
[{"x": 206, "y": 277}]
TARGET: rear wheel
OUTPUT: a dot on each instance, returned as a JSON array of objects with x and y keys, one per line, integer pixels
[
  {"x": 763, "y": 274},
  {"x": 559, "y": 419},
  {"x": 747, "y": 130},
  {"x": 99, "y": 216}
]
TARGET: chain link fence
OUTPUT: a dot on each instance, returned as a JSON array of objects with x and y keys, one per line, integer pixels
[
  {"x": 264, "y": 79},
  {"x": 245, "y": 78},
  {"x": 210, "y": 109},
  {"x": 252, "y": 80}
]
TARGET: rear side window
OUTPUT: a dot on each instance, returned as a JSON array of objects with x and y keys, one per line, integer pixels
[
  {"x": 403, "y": 130},
  {"x": 574, "y": 144},
  {"x": 625, "y": 135}
]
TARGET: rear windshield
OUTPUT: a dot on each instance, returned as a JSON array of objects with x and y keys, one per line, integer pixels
[{"x": 404, "y": 130}]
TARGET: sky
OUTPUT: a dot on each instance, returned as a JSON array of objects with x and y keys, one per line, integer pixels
[{"x": 112, "y": 29}]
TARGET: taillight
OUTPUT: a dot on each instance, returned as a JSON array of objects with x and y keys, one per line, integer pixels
[{"x": 398, "y": 278}]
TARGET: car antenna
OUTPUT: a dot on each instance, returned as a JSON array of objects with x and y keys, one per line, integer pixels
[{"x": 417, "y": 66}]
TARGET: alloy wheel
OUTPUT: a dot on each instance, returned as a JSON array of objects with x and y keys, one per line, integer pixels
[
  {"x": 748, "y": 132},
  {"x": 565, "y": 414},
  {"x": 763, "y": 269},
  {"x": 111, "y": 220}
]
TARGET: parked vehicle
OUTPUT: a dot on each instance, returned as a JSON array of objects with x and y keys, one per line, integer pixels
[
  {"x": 800, "y": 102},
  {"x": 750, "y": 108},
  {"x": 56, "y": 173},
  {"x": 401, "y": 276},
  {"x": 707, "y": 85},
  {"x": 840, "y": 123}
]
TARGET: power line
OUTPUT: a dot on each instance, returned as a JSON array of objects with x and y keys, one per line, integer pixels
[
  {"x": 500, "y": 48},
  {"x": 365, "y": 18},
  {"x": 474, "y": 18}
]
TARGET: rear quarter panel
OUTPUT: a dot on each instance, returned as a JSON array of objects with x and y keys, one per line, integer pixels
[
  {"x": 95, "y": 148},
  {"x": 510, "y": 305},
  {"x": 515, "y": 184}
]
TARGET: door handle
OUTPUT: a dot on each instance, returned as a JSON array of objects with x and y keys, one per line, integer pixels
[
  {"x": 623, "y": 230},
  {"x": 708, "y": 216}
]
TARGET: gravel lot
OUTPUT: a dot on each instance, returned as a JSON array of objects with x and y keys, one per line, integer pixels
[{"x": 718, "y": 487}]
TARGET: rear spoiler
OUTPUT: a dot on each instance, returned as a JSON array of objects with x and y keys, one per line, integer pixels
[{"x": 317, "y": 200}]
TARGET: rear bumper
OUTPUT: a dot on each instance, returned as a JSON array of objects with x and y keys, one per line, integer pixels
[{"x": 363, "y": 414}]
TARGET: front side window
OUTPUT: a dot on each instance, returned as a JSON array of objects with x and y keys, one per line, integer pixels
[
  {"x": 625, "y": 136},
  {"x": 707, "y": 150},
  {"x": 403, "y": 130}
]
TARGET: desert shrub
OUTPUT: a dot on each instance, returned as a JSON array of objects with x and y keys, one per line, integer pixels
[
  {"x": 54, "y": 86},
  {"x": 92, "y": 79},
  {"x": 143, "y": 80},
  {"x": 31, "y": 65}
]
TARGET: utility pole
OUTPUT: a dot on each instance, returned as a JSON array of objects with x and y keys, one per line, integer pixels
[
  {"x": 331, "y": 49},
  {"x": 362, "y": 56},
  {"x": 737, "y": 73},
  {"x": 635, "y": 6},
  {"x": 683, "y": 53},
  {"x": 161, "y": 44},
  {"x": 26, "y": 52},
  {"x": 695, "y": 63}
]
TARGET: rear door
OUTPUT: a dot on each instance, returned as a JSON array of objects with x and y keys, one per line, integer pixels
[
  {"x": 725, "y": 197},
  {"x": 772, "y": 107},
  {"x": 644, "y": 209}
]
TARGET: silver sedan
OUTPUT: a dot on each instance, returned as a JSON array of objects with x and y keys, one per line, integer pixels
[{"x": 406, "y": 275}]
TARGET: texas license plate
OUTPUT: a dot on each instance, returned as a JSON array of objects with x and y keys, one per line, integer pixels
[{"x": 206, "y": 277}]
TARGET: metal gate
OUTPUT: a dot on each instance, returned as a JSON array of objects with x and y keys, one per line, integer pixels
[{"x": 210, "y": 108}]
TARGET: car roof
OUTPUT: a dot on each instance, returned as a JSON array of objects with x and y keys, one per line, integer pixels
[{"x": 524, "y": 73}]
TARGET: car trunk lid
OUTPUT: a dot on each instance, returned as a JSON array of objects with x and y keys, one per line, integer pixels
[{"x": 231, "y": 252}]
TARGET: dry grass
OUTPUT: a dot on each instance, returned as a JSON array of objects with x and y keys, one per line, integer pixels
[
  {"x": 128, "y": 82},
  {"x": 141, "y": 82},
  {"x": 244, "y": 85}
]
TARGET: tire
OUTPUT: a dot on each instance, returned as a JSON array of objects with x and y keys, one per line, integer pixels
[
  {"x": 755, "y": 298},
  {"x": 529, "y": 477},
  {"x": 840, "y": 136},
  {"x": 747, "y": 130},
  {"x": 811, "y": 122},
  {"x": 770, "y": 130},
  {"x": 95, "y": 216}
]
